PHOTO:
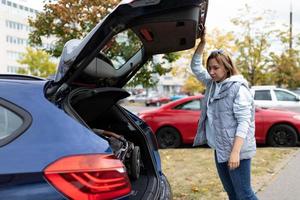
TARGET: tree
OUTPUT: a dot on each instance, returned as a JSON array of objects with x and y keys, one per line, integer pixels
[
  {"x": 69, "y": 19},
  {"x": 254, "y": 42},
  {"x": 38, "y": 63},
  {"x": 285, "y": 64},
  {"x": 193, "y": 86}
]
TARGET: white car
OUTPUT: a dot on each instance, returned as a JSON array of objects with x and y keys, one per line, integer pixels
[
  {"x": 271, "y": 96},
  {"x": 137, "y": 98}
]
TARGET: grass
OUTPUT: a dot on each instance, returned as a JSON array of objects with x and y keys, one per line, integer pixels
[{"x": 192, "y": 173}]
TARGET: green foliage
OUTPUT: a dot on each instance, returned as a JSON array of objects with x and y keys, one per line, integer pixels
[
  {"x": 38, "y": 63},
  {"x": 259, "y": 60},
  {"x": 253, "y": 44},
  {"x": 67, "y": 19},
  {"x": 285, "y": 65},
  {"x": 193, "y": 86}
]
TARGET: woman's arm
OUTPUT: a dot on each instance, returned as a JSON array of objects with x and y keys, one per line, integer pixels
[
  {"x": 234, "y": 159},
  {"x": 196, "y": 63}
]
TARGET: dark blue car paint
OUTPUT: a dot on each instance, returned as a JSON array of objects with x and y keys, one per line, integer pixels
[
  {"x": 24, "y": 159},
  {"x": 61, "y": 132}
]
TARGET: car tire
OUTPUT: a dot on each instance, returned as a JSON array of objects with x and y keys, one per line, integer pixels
[
  {"x": 282, "y": 135},
  {"x": 168, "y": 137},
  {"x": 135, "y": 163}
]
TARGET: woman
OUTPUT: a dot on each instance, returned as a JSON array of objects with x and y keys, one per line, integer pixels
[{"x": 227, "y": 121}]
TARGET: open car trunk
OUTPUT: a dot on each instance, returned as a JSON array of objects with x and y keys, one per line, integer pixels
[{"x": 98, "y": 108}]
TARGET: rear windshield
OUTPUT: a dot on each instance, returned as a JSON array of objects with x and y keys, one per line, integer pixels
[{"x": 122, "y": 47}]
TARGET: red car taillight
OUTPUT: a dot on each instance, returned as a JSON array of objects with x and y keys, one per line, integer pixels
[{"x": 89, "y": 177}]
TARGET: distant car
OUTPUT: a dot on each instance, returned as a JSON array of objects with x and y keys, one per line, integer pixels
[
  {"x": 273, "y": 97},
  {"x": 49, "y": 149},
  {"x": 178, "y": 96},
  {"x": 176, "y": 123},
  {"x": 138, "y": 98},
  {"x": 156, "y": 101}
]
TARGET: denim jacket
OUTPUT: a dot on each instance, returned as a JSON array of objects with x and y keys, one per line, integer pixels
[{"x": 230, "y": 117}]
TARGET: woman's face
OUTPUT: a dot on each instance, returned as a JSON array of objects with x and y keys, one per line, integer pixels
[{"x": 216, "y": 70}]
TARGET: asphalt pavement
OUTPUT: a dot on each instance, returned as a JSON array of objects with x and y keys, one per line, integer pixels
[{"x": 286, "y": 184}]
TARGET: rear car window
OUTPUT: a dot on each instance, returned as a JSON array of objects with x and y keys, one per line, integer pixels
[
  {"x": 9, "y": 122},
  {"x": 263, "y": 95},
  {"x": 284, "y": 96},
  {"x": 122, "y": 47},
  {"x": 13, "y": 121}
]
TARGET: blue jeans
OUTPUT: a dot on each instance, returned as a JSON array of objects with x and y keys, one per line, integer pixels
[{"x": 237, "y": 182}]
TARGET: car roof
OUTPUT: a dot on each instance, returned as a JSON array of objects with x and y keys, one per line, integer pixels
[
  {"x": 21, "y": 77},
  {"x": 263, "y": 87}
]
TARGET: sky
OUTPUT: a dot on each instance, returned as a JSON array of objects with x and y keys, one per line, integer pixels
[{"x": 220, "y": 12}]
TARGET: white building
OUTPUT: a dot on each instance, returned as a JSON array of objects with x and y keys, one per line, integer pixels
[
  {"x": 14, "y": 33},
  {"x": 170, "y": 85}
]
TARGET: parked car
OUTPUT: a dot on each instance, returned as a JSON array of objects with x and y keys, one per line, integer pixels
[
  {"x": 138, "y": 98},
  {"x": 157, "y": 101},
  {"x": 48, "y": 148},
  {"x": 178, "y": 96},
  {"x": 176, "y": 123},
  {"x": 273, "y": 97}
]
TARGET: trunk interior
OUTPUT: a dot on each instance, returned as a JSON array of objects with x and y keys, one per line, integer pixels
[{"x": 98, "y": 108}]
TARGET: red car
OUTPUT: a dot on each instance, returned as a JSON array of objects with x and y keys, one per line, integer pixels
[{"x": 175, "y": 123}]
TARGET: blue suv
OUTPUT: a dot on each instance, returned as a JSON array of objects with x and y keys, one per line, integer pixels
[{"x": 50, "y": 147}]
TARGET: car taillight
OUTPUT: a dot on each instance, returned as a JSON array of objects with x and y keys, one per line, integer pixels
[{"x": 89, "y": 177}]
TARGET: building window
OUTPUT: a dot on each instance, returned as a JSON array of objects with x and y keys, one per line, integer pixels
[
  {"x": 13, "y": 55},
  {"x": 16, "y": 40},
  {"x": 13, "y": 69},
  {"x": 21, "y": 7},
  {"x": 17, "y": 26}
]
